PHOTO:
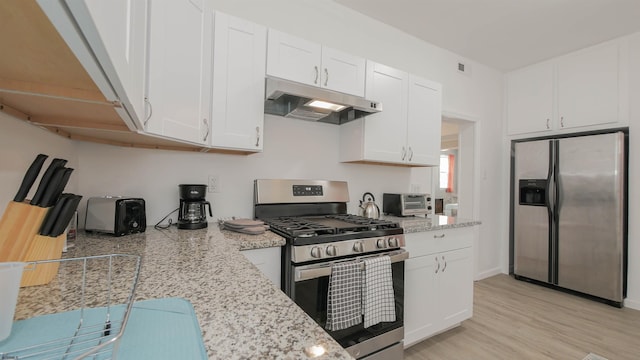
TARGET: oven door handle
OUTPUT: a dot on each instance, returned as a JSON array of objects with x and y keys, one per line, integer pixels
[{"x": 314, "y": 271}]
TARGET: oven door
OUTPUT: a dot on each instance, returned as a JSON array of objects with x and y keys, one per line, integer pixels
[{"x": 311, "y": 285}]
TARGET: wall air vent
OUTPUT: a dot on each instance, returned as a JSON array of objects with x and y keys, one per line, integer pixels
[{"x": 464, "y": 68}]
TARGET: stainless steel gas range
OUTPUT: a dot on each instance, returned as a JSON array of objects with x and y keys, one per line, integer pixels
[{"x": 312, "y": 216}]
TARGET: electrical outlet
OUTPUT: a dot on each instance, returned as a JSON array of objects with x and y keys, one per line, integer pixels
[{"x": 214, "y": 184}]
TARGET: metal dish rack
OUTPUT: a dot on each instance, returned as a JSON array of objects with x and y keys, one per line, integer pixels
[{"x": 86, "y": 308}]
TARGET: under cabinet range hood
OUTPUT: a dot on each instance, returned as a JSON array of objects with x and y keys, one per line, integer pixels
[{"x": 306, "y": 102}]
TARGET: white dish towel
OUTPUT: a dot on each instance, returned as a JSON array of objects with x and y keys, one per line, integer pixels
[
  {"x": 344, "y": 301},
  {"x": 377, "y": 293}
]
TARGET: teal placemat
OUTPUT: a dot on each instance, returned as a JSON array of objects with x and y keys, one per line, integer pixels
[{"x": 157, "y": 329}]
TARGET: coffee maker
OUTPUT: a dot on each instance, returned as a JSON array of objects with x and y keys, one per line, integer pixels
[{"x": 192, "y": 207}]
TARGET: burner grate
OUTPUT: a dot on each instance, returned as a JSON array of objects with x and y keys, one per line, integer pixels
[
  {"x": 299, "y": 227},
  {"x": 328, "y": 225}
]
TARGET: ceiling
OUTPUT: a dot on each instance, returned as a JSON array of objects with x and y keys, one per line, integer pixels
[{"x": 507, "y": 34}]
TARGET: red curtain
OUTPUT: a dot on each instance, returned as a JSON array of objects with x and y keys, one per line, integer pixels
[{"x": 450, "y": 178}]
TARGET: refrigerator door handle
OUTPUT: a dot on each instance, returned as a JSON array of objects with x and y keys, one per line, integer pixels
[{"x": 551, "y": 208}]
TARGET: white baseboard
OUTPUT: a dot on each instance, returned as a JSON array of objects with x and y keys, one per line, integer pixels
[
  {"x": 488, "y": 273},
  {"x": 632, "y": 303}
]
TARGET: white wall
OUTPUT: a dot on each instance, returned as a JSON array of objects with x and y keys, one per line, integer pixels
[
  {"x": 20, "y": 143},
  {"x": 292, "y": 149},
  {"x": 293, "y": 146},
  {"x": 633, "y": 278}
]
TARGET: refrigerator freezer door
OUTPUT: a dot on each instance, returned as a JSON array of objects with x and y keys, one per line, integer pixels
[
  {"x": 590, "y": 212},
  {"x": 531, "y": 223}
]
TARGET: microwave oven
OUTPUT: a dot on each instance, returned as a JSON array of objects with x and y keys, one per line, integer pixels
[{"x": 406, "y": 204}]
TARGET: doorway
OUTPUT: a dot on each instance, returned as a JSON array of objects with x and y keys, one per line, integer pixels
[{"x": 455, "y": 191}]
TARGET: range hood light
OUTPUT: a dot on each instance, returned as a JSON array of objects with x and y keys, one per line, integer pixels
[{"x": 325, "y": 105}]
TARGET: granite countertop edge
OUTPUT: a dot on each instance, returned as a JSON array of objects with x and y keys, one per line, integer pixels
[
  {"x": 242, "y": 315},
  {"x": 418, "y": 224}
]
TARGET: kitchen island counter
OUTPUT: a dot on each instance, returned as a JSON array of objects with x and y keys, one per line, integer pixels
[{"x": 242, "y": 315}]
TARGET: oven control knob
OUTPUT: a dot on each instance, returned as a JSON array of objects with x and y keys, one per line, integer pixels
[
  {"x": 358, "y": 247},
  {"x": 393, "y": 242},
  {"x": 316, "y": 252},
  {"x": 331, "y": 250},
  {"x": 381, "y": 243}
]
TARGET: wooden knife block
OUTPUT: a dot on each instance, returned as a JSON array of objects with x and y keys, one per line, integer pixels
[{"x": 19, "y": 241}]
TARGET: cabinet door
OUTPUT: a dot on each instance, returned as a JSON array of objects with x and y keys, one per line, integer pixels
[
  {"x": 420, "y": 298},
  {"x": 424, "y": 118},
  {"x": 293, "y": 58},
  {"x": 386, "y": 131},
  {"x": 588, "y": 89},
  {"x": 530, "y": 99},
  {"x": 180, "y": 70},
  {"x": 267, "y": 260},
  {"x": 342, "y": 72},
  {"x": 455, "y": 286},
  {"x": 121, "y": 49},
  {"x": 238, "y": 83}
]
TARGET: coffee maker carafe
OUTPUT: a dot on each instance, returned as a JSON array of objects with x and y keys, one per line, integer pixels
[{"x": 192, "y": 207}]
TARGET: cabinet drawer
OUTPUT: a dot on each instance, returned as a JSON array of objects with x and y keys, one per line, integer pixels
[{"x": 430, "y": 242}]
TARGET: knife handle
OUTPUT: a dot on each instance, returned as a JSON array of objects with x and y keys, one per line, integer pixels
[
  {"x": 63, "y": 183},
  {"x": 46, "y": 177},
  {"x": 30, "y": 177},
  {"x": 53, "y": 214},
  {"x": 49, "y": 193},
  {"x": 68, "y": 209}
]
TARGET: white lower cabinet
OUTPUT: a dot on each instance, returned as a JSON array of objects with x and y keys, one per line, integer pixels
[
  {"x": 266, "y": 260},
  {"x": 438, "y": 282}
]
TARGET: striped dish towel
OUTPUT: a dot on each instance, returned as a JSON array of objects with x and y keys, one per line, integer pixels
[
  {"x": 377, "y": 293},
  {"x": 344, "y": 302}
]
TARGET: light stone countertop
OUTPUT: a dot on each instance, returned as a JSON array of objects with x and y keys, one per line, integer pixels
[
  {"x": 414, "y": 224},
  {"x": 242, "y": 315}
]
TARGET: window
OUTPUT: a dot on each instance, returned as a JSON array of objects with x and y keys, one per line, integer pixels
[
  {"x": 444, "y": 171},
  {"x": 447, "y": 166}
]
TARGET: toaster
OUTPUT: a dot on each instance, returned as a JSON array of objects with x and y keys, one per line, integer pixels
[
  {"x": 115, "y": 215},
  {"x": 406, "y": 204}
]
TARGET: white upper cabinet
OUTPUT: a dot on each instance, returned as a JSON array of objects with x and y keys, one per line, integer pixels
[
  {"x": 296, "y": 59},
  {"x": 424, "y": 114},
  {"x": 342, "y": 72},
  {"x": 385, "y": 135},
  {"x": 180, "y": 62},
  {"x": 406, "y": 131},
  {"x": 530, "y": 99},
  {"x": 238, "y": 83},
  {"x": 116, "y": 31},
  {"x": 588, "y": 87},
  {"x": 582, "y": 89}
]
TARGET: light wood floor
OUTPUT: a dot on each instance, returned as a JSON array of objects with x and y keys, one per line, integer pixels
[{"x": 516, "y": 320}]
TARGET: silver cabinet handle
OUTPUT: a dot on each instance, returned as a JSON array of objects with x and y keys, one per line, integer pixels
[
  {"x": 548, "y": 124},
  {"x": 404, "y": 153},
  {"x": 317, "y": 74},
  {"x": 206, "y": 124},
  {"x": 438, "y": 236},
  {"x": 257, "y": 136},
  {"x": 147, "y": 102},
  {"x": 561, "y": 121},
  {"x": 437, "y": 262},
  {"x": 445, "y": 264},
  {"x": 326, "y": 76},
  {"x": 410, "y": 153}
]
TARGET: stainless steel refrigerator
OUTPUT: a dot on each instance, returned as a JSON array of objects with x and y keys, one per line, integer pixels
[{"x": 568, "y": 213}]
